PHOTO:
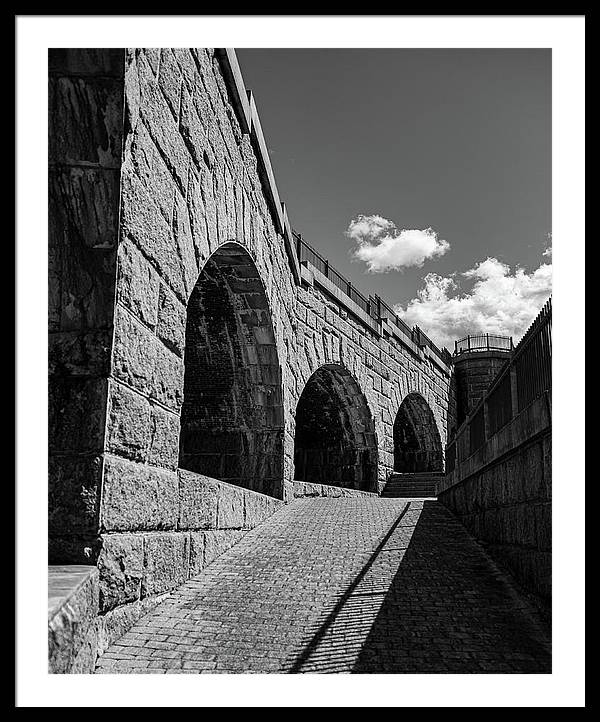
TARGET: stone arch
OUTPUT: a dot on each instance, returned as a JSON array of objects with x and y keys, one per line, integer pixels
[
  {"x": 335, "y": 441},
  {"x": 232, "y": 419},
  {"x": 417, "y": 441}
]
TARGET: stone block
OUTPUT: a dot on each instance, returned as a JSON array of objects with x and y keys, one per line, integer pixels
[
  {"x": 79, "y": 353},
  {"x": 164, "y": 438},
  {"x": 138, "y": 283},
  {"x": 85, "y": 125},
  {"x": 138, "y": 497},
  {"x": 230, "y": 507},
  {"x": 134, "y": 354},
  {"x": 128, "y": 427},
  {"x": 166, "y": 562},
  {"x": 73, "y": 494},
  {"x": 172, "y": 317},
  {"x": 258, "y": 508},
  {"x": 167, "y": 379},
  {"x": 76, "y": 414},
  {"x": 192, "y": 129},
  {"x": 121, "y": 567},
  {"x": 198, "y": 497},
  {"x": 151, "y": 169}
]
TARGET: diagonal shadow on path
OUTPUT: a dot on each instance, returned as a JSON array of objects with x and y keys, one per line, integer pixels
[{"x": 429, "y": 600}]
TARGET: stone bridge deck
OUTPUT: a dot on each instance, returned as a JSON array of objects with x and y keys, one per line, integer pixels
[{"x": 343, "y": 585}]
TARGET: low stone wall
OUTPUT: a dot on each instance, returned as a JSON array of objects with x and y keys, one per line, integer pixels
[
  {"x": 303, "y": 489},
  {"x": 136, "y": 564},
  {"x": 137, "y": 569},
  {"x": 502, "y": 494},
  {"x": 73, "y": 628}
]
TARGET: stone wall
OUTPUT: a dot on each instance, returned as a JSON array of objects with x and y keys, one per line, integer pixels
[
  {"x": 502, "y": 493},
  {"x": 305, "y": 489},
  {"x": 243, "y": 331},
  {"x": 85, "y": 126},
  {"x": 385, "y": 366}
]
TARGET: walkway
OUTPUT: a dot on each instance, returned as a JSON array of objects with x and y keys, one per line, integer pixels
[{"x": 342, "y": 585}]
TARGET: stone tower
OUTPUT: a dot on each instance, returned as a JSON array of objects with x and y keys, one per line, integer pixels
[{"x": 477, "y": 360}]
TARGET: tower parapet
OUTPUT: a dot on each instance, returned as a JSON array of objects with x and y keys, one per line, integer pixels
[{"x": 477, "y": 359}]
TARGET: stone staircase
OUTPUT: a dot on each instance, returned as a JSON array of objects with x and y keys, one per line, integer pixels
[{"x": 422, "y": 485}]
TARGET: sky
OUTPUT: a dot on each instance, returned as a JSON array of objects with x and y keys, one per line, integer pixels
[{"x": 423, "y": 175}]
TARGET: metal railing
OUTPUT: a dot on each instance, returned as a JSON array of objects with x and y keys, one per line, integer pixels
[
  {"x": 526, "y": 375},
  {"x": 483, "y": 342},
  {"x": 533, "y": 359},
  {"x": 499, "y": 405},
  {"x": 373, "y": 306}
]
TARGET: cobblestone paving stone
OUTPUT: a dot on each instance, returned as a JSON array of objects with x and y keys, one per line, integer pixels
[{"x": 342, "y": 585}]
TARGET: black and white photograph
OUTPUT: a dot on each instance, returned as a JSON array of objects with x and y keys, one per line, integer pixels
[{"x": 293, "y": 383}]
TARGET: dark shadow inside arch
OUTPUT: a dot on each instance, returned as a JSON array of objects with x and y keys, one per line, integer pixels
[
  {"x": 232, "y": 415},
  {"x": 417, "y": 442},
  {"x": 335, "y": 441}
]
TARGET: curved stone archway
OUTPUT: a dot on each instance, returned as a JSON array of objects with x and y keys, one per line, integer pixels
[
  {"x": 232, "y": 417},
  {"x": 335, "y": 441},
  {"x": 417, "y": 442}
]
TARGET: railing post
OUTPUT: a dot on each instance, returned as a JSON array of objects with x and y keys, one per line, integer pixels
[{"x": 326, "y": 262}]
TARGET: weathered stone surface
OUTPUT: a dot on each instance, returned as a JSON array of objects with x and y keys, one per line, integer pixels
[
  {"x": 258, "y": 507},
  {"x": 219, "y": 541},
  {"x": 159, "y": 120},
  {"x": 166, "y": 560},
  {"x": 164, "y": 438},
  {"x": 302, "y": 489},
  {"x": 115, "y": 622},
  {"x": 138, "y": 497},
  {"x": 121, "y": 567},
  {"x": 73, "y": 494},
  {"x": 230, "y": 507},
  {"x": 77, "y": 408},
  {"x": 167, "y": 380},
  {"x": 128, "y": 423},
  {"x": 169, "y": 79},
  {"x": 74, "y": 101},
  {"x": 138, "y": 283},
  {"x": 73, "y": 593},
  {"x": 79, "y": 354},
  {"x": 198, "y": 498},
  {"x": 196, "y": 552},
  {"x": 171, "y": 321},
  {"x": 85, "y": 661},
  {"x": 134, "y": 352},
  {"x": 85, "y": 204}
]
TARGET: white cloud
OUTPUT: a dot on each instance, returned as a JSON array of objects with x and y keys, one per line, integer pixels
[
  {"x": 384, "y": 247},
  {"x": 499, "y": 302}
]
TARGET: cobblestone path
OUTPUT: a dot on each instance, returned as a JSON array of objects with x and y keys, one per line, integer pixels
[{"x": 342, "y": 585}]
